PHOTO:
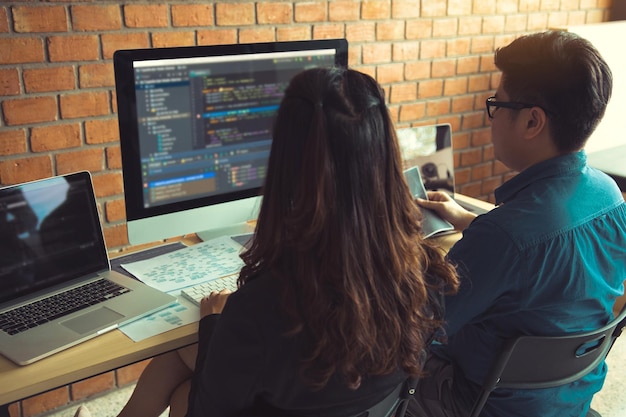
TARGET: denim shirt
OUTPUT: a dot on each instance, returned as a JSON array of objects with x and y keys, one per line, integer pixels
[{"x": 549, "y": 260}]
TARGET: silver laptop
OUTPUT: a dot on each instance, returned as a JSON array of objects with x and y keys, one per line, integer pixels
[
  {"x": 56, "y": 285},
  {"x": 430, "y": 148}
]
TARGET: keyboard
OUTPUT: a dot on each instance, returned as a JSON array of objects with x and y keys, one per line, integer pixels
[
  {"x": 51, "y": 308},
  {"x": 199, "y": 291}
]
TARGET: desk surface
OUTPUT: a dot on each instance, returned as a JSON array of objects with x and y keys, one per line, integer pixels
[{"x": 107, "y": 352}]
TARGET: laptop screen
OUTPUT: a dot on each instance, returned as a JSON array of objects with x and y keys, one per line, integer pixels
[
  {"x": 429, "y": 148},
  {"x": 49, "y": 233}
]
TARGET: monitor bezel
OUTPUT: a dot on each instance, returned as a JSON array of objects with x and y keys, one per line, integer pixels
[{"x": 123, "y": 62}]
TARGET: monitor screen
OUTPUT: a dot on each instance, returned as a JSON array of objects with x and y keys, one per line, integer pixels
[{"x": 195, "y": 130}]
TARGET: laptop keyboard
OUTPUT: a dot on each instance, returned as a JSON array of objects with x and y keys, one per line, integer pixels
[{"x": 39, "y": 312}]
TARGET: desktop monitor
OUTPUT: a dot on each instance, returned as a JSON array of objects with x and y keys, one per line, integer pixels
[{"x": 195, "y": 131}]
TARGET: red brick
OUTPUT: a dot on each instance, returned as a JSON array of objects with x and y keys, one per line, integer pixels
[
  {"x": 343, "y": 11},
  {"x": 437, "y": 107},
  {"x": 146, "y": 15},
  {"x": 101, "y": 131},
  {"x": 88, "y": 159},
  {"x": 12, "y": 142},
  {"x": 192, "y": 15},
  {"x": 405, "y": 51},
  {"x": 328, "y": 31},
  {"x": 361, "y": 32},
  {"x": 443, "y": 68},
  {"x": 108, "y": 184},
  {"x": 354, "y": 58},
  {"x": 433, "y": 49},
  {"x": 460, "y": 141},
  {"x": 45, "y": 402},
  {"x": 58, "y": 136},
  {"x": 96, "y": 75},
  {"x": 390, "y": 73},
  {"x": 394, "y": 111},
  {"x": 217, "y": 37},
  {"x": 455, "y": 86},
  {"x": 459, "y": 7},
  {"x": 403, "y": 92},
  {"x": 517, "y": 23},
  {"x": 482, "y": 171},
  {"x": 462, "y": 175},
  {"x": 168, "y": 39},
  {"x": 130, "y": 373},
  {"x": 9, "y": 82},
  {"x": 478, "y": 83},
  {"x": 493, "y": 24},
  {"x": 467, "y": 65},
  {"x": 459, "y": 46},
  {"x": 293, "y": 33},
  {"x": 310, "y": 12},
  {"x": 274, "y": 13},
  {"x": 93, "y": 385},
  {"x": 481, "y": 137},
  {"x": 29, "y": 110},
  {"x": 539, "y": 21},
  {"x": 116, "y": 236},
  {"x": 111, "y": 42},
  {"x": 387, "y": 31},
  {"x": 38, "y": 80},
  {"x": 462, "y": 104},
  {"x": 433, "y": 8},
  {"x": 40, "y": 19},
  {"x": 14, "y": 171},
  {"x": 412, "y": 111},
  {"x": 374, "y": 53},
  {"x": 114, "y": 157},
  {"x": 240, "y": 14},
  {"x": 21, "y": 50},
  {"x": 90, "y": 18},
  {"x": 257, "y": 34},
  {"x": 472, "y": 189},
  {"x": 73, "y": 48},
  {"x": 375, "y": 9},
  {"x": 84, "y": 104},
  {"x": 417, "y": 70},
  {"x": 4, "y": 20},
  {"x": 405, "y": 9},
  {"x": 469, "y": 25},
  {"x": 482, "y": 44},
  {"x": 419, "y": 29},
  {"x": 429, "y": 88},
  {"x": 445, "y": 27},
  {"x": 474, "y": 120},
  {"x": 115, "y": 211}
]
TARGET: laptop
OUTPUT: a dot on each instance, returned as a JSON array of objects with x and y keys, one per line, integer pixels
[
  {"x": 430, "y": 148},
  {"x": 56, "y": 285}
]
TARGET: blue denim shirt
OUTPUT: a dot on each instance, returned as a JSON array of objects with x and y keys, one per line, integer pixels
[{"x": 550, "y": 259}]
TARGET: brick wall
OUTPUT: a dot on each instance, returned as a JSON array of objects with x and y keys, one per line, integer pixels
[{"x": 433, "y": 57}]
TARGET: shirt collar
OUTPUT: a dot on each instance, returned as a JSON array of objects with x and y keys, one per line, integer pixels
[{"x": 550, "y": 167}]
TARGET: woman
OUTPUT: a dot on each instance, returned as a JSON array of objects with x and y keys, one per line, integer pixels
[{"x": 337, "y": 298}]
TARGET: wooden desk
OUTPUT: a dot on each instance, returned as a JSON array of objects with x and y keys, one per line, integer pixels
[{"x": 108, "y": 352}]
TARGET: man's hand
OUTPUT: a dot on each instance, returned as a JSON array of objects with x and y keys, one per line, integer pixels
[
  {"x": 214, "y": 303},
  {"x": 448, "y": 209}
]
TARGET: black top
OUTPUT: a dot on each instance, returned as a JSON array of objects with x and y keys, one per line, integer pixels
[{"x": 247, "y": 366}]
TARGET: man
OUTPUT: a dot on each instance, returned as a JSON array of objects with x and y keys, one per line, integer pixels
[{"x": 551, "y": 258}]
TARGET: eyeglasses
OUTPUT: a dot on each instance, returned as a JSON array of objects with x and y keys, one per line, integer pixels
[{"x": 491, "y": 102}]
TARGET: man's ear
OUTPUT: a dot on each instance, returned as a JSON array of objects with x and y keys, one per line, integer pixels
[{"x": 536, "y": 122}]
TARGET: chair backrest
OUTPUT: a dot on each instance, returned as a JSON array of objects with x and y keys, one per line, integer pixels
[
  {"x": 531, "y": 362},
  {"x": 395, "y": 403}
]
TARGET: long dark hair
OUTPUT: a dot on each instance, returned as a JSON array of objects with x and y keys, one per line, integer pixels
[{"x": 339, "y": 228}]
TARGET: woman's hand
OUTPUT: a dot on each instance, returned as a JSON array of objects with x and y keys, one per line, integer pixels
[{"x": 214, "y": 303}]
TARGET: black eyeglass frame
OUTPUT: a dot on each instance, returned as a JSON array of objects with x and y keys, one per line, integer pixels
[{"x": 515, "y": 105}]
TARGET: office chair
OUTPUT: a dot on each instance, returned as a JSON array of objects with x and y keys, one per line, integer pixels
[
  {"x": 394, "y": 404},
  {"x": 531, "y": 362}
]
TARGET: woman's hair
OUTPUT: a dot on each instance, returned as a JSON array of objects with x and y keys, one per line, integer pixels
[
  {"x": 339, "y": 228},
  {"x": 565, "y": 75}
]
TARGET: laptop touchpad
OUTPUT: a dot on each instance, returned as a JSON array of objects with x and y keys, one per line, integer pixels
[{"x": 93, "y": 320}]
